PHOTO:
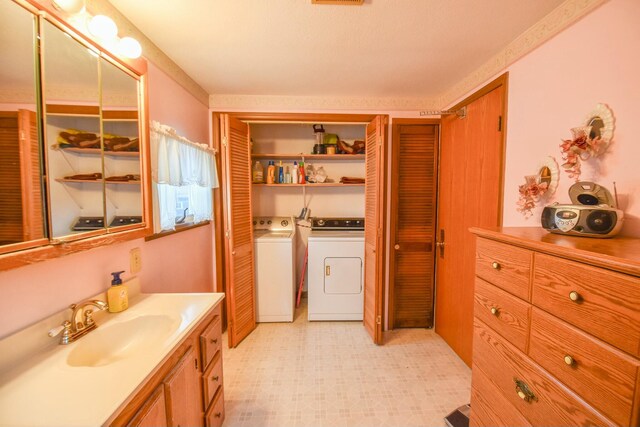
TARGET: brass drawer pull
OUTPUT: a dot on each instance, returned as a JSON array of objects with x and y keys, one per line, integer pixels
[
  {"x": 569, "y": 360},
  {"x": 495, "y": 265},
  {"x": 524, "y": 392},
  {"x": 215, "y": 378},
  {"x": 217, "y": 414},
  {"x": 495, "y": 311},
  {"x": 574, "y": 296},
  {"x": 214, "y": 341}
]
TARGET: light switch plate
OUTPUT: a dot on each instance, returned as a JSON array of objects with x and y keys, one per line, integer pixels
[{"x": 135, "y": 259}]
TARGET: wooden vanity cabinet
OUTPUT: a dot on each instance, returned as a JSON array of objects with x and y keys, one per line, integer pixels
[
  {"x": 185, "y": 390},
  {"x": 556, "y": 330}
]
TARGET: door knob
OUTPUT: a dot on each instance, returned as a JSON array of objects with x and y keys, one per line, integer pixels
[{"x": 396, "y": 247}]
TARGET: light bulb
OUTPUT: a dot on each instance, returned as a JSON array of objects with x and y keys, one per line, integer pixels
[
  {"x": 69, "y": 6},
  {"x": 103, "y": 27},
  {"x": 129, "y": 47}
]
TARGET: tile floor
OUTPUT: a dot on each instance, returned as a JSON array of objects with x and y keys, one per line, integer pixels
[{"x": 330, "y": 374}]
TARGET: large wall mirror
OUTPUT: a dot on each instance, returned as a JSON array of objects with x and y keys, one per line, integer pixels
[
  {"x": 22, "y": 207},
  {"x": 71, "y": 138}
]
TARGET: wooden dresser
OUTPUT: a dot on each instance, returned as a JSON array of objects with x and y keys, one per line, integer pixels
[{"x": 556, "y": 329}]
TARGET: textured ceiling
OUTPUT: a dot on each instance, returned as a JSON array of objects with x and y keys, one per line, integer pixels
[{"x": 385, "y": 48}]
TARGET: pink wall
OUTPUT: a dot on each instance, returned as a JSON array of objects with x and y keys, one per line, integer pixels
[
  {"x": 31, "y": 293},
  {"x": 552, "y": 89}
]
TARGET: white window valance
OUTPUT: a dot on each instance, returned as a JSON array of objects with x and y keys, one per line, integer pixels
[{"x": 180, "y": 169}]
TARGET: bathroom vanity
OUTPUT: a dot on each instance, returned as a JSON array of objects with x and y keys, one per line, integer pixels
[{"x": 159, "y": 363}]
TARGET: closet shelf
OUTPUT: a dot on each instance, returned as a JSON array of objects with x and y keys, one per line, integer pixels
[
  {"x": 98, "y": 151},
  {"x": 96, "y": 181},
  {"x": 328, "y": 184},
  {"x": 309, "y": 156}
]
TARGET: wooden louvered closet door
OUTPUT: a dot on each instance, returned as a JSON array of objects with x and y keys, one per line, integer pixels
[
  {"x": 31, "y": 177},
  {"x": 413, "y": 213},
  {"x": 374, "y": 224},
  {"x": 240, "y": 286},
  {"x": 10, "y": 180}
]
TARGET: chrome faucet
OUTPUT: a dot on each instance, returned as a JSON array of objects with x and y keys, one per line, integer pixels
[{"x": 74, "y": 329}]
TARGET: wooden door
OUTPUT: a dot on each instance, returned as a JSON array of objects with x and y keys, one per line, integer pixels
[
  {"x": 240, "y": 286},
  {"x": 11, "y": 230},
  {"x": 153, "y": 412},
  {"x": 182, "y": 391},
  {"x": 31, "y": 177},
  {"x": 413, "y": 221},
  {"x": 374, "y": 226},
  {"x": 470, "y": 195}
]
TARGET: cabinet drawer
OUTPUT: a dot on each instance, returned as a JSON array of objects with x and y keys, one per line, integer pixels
[
  {"x": 505, "y": 266},
  {"x": 606, "y": 304},
  {"x": 489, "y": 407},
  {"x": 212, "y": 380},
  {"x": 507, "y": 368},
  {"x": 210, "y": 341},
  {"x": 600, "y": 374},
  {"x": 214, "y": 417},
  {"x": 506, "y": 314}
]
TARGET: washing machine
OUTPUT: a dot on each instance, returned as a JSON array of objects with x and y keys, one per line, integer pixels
[
  {"x": 275, "y": 260},
  {"x": 336, "y": 269}
]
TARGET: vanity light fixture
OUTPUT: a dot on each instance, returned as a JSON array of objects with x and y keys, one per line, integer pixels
[
  {"x": 129, "y": 47},
  {"x": 103, "y": 27}
]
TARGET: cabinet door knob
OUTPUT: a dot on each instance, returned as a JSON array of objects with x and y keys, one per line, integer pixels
[
  {"x": 217, "y": 414},
  {"x": 215, "y": 378},
  {"x": 524, "y": 392},
  {"x": 495, "y": 265},
  {"x": 574, "y": 296},
  {"x": 214, "y": 341},
  {"x": 494, "y": 311},
  {"x": 569, "y": 360},
  {"x": 396, "y": 247}
]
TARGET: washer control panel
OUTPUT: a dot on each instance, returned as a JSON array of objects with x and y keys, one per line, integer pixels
[{"x": 273, "y": 223}]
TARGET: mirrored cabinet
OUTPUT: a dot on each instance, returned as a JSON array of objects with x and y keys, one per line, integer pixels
[{"x": 72, "y": 139}]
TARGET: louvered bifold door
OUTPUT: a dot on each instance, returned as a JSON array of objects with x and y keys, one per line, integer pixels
[
  {"x": 373, "y": 227},
  {"x": 415, "y": 162},
  {"x": 10, "y": 184},
  {"x": 31, "y": 177},
  {"x": 236, "y": 164}
]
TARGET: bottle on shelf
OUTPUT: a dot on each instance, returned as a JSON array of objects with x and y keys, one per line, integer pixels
[
  {"x": 301, "y": 178},
  {"x": 280, "y": 173},
  {"x": 294, "y": 173},
  {"x": 271, "y": 173},
  {"x": 287, "y": 175},
  {"x": 258, "y": 173}
]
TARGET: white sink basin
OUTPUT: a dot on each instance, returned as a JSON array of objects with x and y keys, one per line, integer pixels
[{"x": 111, "y": 343}]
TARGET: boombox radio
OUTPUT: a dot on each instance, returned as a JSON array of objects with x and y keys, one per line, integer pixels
[{"x": 593, "y": 213}]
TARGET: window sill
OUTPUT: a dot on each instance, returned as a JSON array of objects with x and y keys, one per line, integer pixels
[{"x": 179, "y": 229}]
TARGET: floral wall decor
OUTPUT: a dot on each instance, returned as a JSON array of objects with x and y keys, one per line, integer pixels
[
  {"x": 537, "y": 187},
  {"x": 589, "y": 140}
]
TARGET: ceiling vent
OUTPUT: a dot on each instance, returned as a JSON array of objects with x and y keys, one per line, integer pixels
[{"x": 340, "y": 2}]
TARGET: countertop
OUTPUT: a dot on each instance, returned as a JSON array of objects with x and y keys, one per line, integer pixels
[
  {"x": 46, "y": 390},
  {"x": 619, "y": 253}
]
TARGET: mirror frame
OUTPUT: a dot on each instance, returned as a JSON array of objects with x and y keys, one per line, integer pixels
[{"x": 26, "y": 253}]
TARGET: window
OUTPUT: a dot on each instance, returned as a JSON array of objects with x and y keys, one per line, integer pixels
[{"x": 183, "y": 174}]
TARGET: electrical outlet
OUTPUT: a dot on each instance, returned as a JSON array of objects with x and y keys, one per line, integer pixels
[{"x": 135, "y": 259}]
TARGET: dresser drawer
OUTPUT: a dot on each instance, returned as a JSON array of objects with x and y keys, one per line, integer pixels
[
  {"x": 505, "y": 266},
  {"x": 489, "y": 407},
  {"x": 214, "y": 416},
  {"x": 601, "y": 302},
  {"x": 541, "y": 399},
  {"x": 212, "y": 380},
  {"x": 210, "y": 341},
  {"x": 600, "y": 374},
  {"x": 506, "y": 314}
]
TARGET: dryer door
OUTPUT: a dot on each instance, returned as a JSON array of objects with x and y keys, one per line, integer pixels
[{"x": 343, "y": 275}]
